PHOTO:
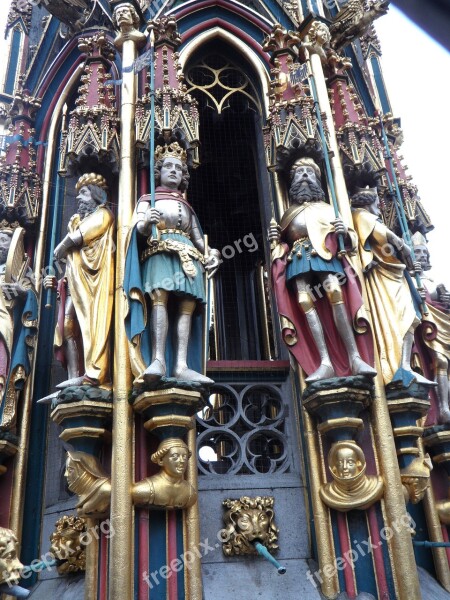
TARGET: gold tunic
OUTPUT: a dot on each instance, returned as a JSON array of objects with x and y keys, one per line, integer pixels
[
  {"x": 390, "y": 300},
  {"x": 90, "y": 276}
]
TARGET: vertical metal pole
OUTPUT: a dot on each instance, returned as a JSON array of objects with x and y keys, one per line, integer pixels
[{"x": 121, "y": 548}]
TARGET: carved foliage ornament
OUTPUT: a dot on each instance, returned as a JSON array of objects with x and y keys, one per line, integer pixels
[
  {"x": 10, "y": 565},
  {"x": 248, "y": 520}
]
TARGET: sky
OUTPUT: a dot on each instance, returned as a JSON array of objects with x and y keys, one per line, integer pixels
[{"x": 415, "y": 69}]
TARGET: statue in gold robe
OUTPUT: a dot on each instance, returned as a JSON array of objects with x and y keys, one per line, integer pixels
[
  {"x": 394, "y": 302},
  {"x": 88, "y": 248}
]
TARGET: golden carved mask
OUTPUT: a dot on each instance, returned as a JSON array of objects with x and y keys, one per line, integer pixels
[{"x": 249, "y": 520}]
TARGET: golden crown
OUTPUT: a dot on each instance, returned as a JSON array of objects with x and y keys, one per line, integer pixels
[
  {"x": 91, "y": 179},
  {"x": 173, "y": 150}
]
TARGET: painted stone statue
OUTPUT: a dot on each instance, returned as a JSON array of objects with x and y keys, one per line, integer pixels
[
  {"x": 416, "y": 478},
  {"x": 434, "y": 331},
  {"x": 305, "y": 269},
  {"x": 168, "y": 488},
  {"x": 167, "y": 275},
  {"x": 10, "y": 565},
  {"x": 393, "y": 299},
  {"x": 86, "y": 478},
  {"x": 87, "y": 290},
  {"x": 18, "y": 324},
  {"x": 351, "y": 488}
]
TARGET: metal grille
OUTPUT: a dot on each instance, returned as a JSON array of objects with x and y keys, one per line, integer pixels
[{"x": 244, "y": 433}]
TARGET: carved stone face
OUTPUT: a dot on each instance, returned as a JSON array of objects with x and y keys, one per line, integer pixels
[
  {"x": 5, "y": 243},
  {"x": 305, "y": 174},
  {"x": 322, "y": 34},
  {"x": 175, "y": 461},
  {"x": 86, "y": 203},
  {"x": 374, "y": 208},
  {"x": 253, "y": 524},
  {"x": 71, "y": 473},
  {"x": 124, "y": 15},
  {"x": 416, "y": 486},
  {"x": 10, "y": 565},
  {"x": 171, "y": 173},
  {"x": 347, "y": 464},
  {"x": 422, "y": 256}
]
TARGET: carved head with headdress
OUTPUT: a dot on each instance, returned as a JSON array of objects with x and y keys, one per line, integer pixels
[
  {"x": 82, "y": 470},
  {"x": 421, "y": 252},
  {"x": 172, "y": 151},
  {"x": 305, "y": 181},
  {"x": 10, "y": 565},
  {"x": 416, "y": 478},
  {"x": 346, "y": 461},
  {"x": 91, "y": 189},
  {"x": 172, "y": 455}
]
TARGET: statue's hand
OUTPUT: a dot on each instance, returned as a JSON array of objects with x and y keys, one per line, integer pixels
[
  {"x": 422, "y": 293},
  {"x": 417, "y": 267},
  {"x": 340, "y": 227},
  {"x": 443, "y": 294},
  {"x": 49, "y": 282},
  {"x": 274, "y": 232},
  {"x": 212, "y": 262},
  {"x": 153, "y": 216}
]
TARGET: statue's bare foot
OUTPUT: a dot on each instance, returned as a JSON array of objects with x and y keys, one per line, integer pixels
[
  {"x": 70, "y": 382},
  {"x": 359, "y": 367},
  {"x": 154, "y": 371},
  {"x": 190, "y": 375},
  {"x": 323, "y": 372}
]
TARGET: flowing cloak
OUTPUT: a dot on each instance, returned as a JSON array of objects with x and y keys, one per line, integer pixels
[
  {"x": 136, "y": 286},
  {"x": 294, "y": 326},
  {"x": 392, "y": 298},
  {"x": 58, "y": 343},
  {"x": 90, "y": 277},
  {"x": 24, "y": 319}
]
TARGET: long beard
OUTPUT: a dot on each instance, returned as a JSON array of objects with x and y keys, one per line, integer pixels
[{"x": 306, "y": 190}]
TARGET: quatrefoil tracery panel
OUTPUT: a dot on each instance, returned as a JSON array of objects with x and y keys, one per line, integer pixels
[{"x": 244, "y": 433}]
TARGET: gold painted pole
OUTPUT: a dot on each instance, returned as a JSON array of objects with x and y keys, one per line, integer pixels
[
  {"x": 322, "y": 524},
  {"x": 194, "y": 587},
  {"x": 405, "y": 571},
  {"x": 92, "y": 549},
  {"x": 121, "y": 563}
]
